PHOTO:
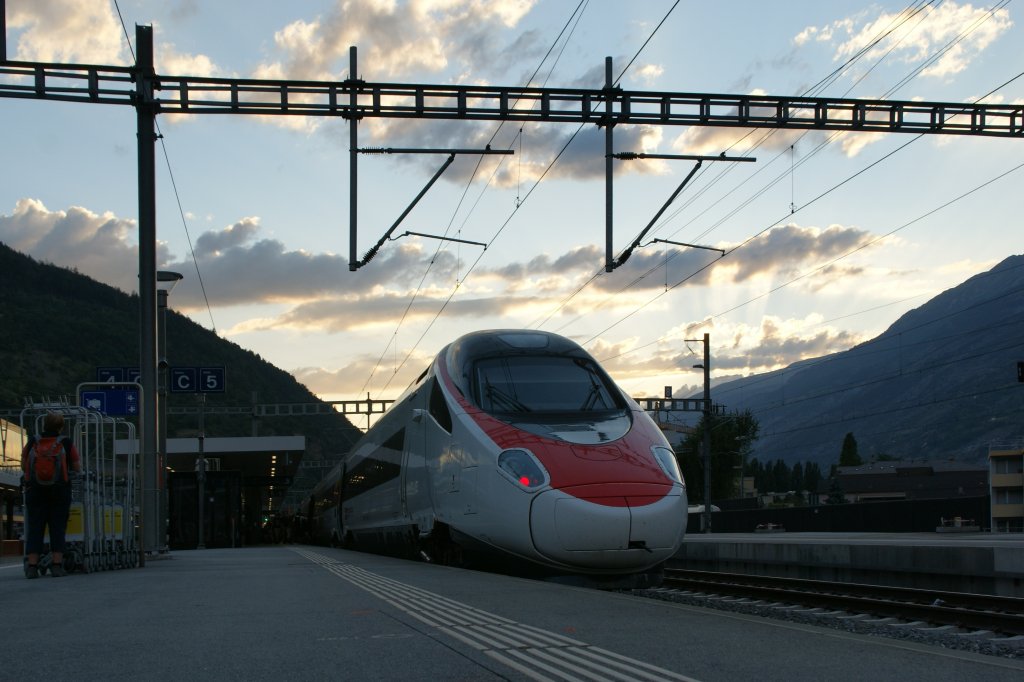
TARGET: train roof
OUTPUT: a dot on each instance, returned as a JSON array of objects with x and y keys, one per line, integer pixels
[{"x": 512, "y": 342}]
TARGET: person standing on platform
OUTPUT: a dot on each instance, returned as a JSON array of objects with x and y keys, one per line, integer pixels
[{"x": 45, "y": 462}]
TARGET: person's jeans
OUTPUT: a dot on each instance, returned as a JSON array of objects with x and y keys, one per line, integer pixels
[{"x": 46, "y": 505}]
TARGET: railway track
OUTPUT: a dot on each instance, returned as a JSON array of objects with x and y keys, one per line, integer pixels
[
  {"x": 973, "y": 612},
  {"x": 980, "y": 623}
]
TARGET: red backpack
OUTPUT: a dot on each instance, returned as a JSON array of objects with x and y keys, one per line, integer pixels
[{"x": 47, "y": 461}]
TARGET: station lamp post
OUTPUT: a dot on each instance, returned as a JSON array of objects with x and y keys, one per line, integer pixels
[{"x": 165, "y": 281}]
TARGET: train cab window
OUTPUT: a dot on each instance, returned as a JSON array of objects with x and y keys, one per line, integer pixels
[
  {"x": 439, "y": 407},
  {"x": 552, "y": 384}
]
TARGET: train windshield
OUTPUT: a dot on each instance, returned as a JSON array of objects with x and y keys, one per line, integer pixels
[{"x": 542, "y": 384}]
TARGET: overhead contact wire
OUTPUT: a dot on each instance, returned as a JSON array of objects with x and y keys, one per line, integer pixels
[
  {"x": 907, "y": 14},
  {"x": 465, "y": 192},
  {"x": 745, "y": 242},
  {"x": 535, "y": 185}
]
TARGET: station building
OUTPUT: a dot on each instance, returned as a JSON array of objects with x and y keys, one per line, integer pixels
[
  {"x": 1006, "y": 481},
  {"x": 913, "y": 480},
  {"x": 11, "y": 441}
]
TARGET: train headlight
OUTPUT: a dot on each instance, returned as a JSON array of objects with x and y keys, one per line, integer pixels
[
  {"x": 522, "y": 468},
  {"x": 667, "y": 459}
]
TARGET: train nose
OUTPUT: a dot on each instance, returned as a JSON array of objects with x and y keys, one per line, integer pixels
[{"x": 607, "y": 526}]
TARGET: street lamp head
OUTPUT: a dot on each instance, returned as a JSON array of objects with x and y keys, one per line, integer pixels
[
  {"x": 165, "y": 280},
  {"x": 698, "y": 366}
]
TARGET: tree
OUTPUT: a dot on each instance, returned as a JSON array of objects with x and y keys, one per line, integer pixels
[
  {"x": 730, "y": 435},
  {"x": 835, "y": 493},
  {"x": 780, "y": 477},
  {"x": 755, "y": 470},
  {"x": 691, "y": 465},
  {"x": 848, "y": 457},
  {"x": 796, "y": 478},
  {"x": 812, "y": 476}
]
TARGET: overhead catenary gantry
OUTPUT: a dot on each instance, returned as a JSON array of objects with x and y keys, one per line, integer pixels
[
  {"x": 151, "y": 94},
  {"x": 355, "y": 99}
]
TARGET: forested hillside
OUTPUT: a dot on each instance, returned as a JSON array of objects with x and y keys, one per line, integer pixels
[{"x": 58, "y": 326}]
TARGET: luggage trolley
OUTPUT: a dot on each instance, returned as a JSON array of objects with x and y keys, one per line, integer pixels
[
  {"x": 108, "y": 495},
  {"x": 117, "y": 548},
  {"x": 101, "y": 523}
]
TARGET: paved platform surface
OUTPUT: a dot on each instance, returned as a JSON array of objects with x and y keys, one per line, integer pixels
[{"x": 311, "y": 613}]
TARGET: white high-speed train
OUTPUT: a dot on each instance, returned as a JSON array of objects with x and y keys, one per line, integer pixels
[{"x": 515, "y": 446}]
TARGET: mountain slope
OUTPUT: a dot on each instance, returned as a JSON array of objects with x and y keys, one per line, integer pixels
[
  {"x": 941, "y": 382},
  {"x": 58, "y": 326}
]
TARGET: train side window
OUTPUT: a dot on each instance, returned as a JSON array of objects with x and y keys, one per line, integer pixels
[
  {"x": 395, "y": 442},
  {"x": 439, "y": 407},
  {"x": 377, "y": 468}
]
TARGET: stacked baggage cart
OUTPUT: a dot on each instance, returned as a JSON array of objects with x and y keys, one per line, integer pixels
[{"x": 101, "y": 530}]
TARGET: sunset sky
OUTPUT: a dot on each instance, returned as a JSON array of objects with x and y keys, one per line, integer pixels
[{"x": 838, "y": 234}]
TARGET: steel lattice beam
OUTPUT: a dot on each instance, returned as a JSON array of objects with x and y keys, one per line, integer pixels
[{"x": 196, "y": 95}]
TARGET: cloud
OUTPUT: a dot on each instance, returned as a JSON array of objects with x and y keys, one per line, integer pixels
[
  {"x": 293, "y": 294},
  {"x": 621, "y": 358},
  {"x": 214, "y": 243},
  {"x": 66, "y": 31},
  {"x": 97, "y": 245},
  {"x": 649, "y": 74},
  {"x": 239, "y": 267},
  {"x": 965, "y": 30},
  {"x": 400, "y": 39},
  {"x": 170, "y": 61},
  {"x": 942, "y": 41},
  {"x": 774, "y": 343},
  {"x": 783, "y": 250},
  {"x": 778, "y": 343},
  {"x": 433, "y": 40},
  {"x": 455, "y": 40},
  {"x": 71, "y": 31},
  {"x": 335, "y": 315},
  {"x": 352, "y": 378},
  {"x": 708, "y": 140}
]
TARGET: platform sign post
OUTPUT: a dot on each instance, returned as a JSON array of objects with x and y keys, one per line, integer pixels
[
  {"x": 198, "y": 379},
  {"x": 113, "y": 402},
  {"x": 110, "y": 394},
  {"x": 183, "y": 379},
  {"x": 109, "y": 375},
  {"x": 211, "y": 380}
]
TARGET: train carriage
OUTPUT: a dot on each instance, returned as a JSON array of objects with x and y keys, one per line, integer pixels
[{"x": 513, "y": 446}]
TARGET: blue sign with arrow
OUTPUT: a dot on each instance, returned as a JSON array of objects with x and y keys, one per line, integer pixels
[{"x": 113, "y": 402}]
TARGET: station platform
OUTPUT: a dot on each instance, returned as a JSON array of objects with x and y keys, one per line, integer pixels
[
  {"x": 316, "y": 613},
  {"x": 986, "y": 563}
]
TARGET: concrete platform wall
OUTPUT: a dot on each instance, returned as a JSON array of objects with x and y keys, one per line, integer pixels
[{"x": 995, "y": 568}]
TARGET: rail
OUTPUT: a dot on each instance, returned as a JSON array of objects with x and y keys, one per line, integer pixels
[{"x": 976, "y": 611}]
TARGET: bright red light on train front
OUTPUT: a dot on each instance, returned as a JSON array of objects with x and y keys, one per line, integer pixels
[{"x": 523, "y": 468}]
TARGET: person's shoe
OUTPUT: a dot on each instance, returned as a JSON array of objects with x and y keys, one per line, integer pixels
[
  {"x": 31, "y": 571},
  {"x": 57, "y": 571}
]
